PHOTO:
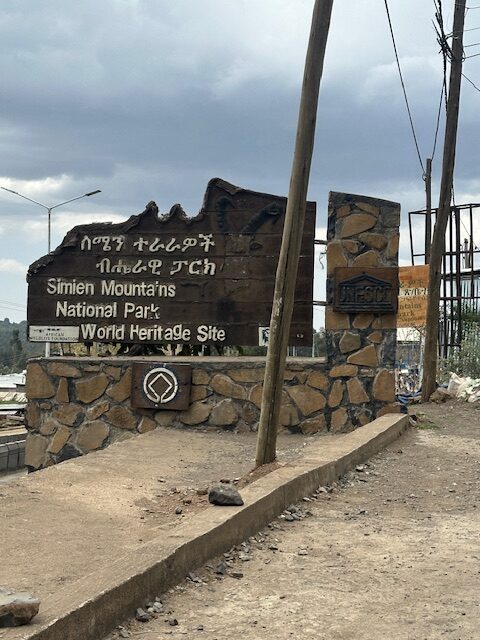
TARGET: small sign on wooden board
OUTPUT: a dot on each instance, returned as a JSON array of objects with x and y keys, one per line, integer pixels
[{"x": 413, "y": 295}]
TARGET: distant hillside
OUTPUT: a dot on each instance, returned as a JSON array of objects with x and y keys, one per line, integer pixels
[{"x": 14, "y": 348}]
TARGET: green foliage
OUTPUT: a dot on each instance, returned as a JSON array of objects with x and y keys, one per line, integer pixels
[
  {"x": 470, "y": 315},
  {"x": 254, "y": 351},
  {"x": 468, "y": 312},
  {"x": 465, "y": 360},
  {"x": 423, "y": 422},
  {"x": 426, "y": 425},
  {"x": 319, "y": 348},
  {"x": 14, "y": 348}
]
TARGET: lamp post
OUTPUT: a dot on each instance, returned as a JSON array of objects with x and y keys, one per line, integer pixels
[{"x": 49, "y": 210}]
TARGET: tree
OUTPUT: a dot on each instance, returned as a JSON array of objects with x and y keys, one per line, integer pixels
[{"x": 17, "y": 354}]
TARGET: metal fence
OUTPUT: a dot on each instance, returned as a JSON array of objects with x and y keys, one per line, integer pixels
[{"x": 460, "y": 285}]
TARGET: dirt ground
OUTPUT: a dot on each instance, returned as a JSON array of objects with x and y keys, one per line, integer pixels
[
  {"x": 62, "y": 523},
  {"x": 392, "y": 551}
]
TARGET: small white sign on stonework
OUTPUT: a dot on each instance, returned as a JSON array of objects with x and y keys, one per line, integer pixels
[
  {"x": 263, "y": 335},
  {"x": 37, "y": 333}
]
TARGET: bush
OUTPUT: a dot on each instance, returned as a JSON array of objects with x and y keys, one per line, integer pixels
[{"x": 464, "y": 360}]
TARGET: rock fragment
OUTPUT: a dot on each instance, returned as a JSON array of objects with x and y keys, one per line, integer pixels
[
  {"x": 221, "y": 569},
  {"x": 440, "y": 395},
  {"x": 17, "y": 607},
  {"x": 142, "y": 616},
  {"x": 224, "y": 495},
  {"x": 237, "y": 574}
]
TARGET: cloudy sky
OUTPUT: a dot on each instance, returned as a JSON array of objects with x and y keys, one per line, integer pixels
[{"x": 149, "y": 99}]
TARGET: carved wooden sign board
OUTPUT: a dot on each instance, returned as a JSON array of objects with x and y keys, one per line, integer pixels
[
  {"x": 365, "y": 289},
  {"x": 173, "y": 279}
]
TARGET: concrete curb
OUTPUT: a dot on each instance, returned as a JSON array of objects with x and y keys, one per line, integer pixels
[
  {"x": 12, "y": 455},
  {"x": 94, "y": 605}
]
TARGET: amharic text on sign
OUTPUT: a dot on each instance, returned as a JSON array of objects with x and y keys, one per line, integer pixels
[{"x": 173, "y": 279}]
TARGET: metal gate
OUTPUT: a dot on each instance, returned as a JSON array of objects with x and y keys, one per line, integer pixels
[{"x": 460, "y": 285}]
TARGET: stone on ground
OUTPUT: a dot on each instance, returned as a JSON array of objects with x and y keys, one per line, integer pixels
[
  {"x": 17, "y": 607},
  {"x": 224, "y": 495},
  {"x": 440, "y": 395}
]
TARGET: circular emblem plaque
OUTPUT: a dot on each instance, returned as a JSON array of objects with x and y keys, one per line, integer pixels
[{"x": 160, "y": 385}]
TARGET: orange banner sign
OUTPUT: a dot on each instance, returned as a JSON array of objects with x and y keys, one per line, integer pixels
[{"x": 412, "y": 296}]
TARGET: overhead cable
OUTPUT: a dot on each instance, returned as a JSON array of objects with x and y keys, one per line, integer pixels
[
  {"x": 471, "y": 82},
  {"x": 439, "y": 112},
  {"x": 404, "y": 89}
]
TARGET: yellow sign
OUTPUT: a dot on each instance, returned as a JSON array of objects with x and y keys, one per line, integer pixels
[{"x": 412, "y": 296}]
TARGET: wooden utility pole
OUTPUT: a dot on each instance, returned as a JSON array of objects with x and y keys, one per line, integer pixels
[
  {"x": 428, "y": 212},
  {"x": 292, "y": 236},
  {"x": 438, "y": 241}
]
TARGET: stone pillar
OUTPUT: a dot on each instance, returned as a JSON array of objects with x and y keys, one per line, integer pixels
[{"x": 362, "y": 232}]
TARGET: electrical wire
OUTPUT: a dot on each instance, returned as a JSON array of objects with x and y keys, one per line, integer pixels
[
  {"x": 471, "y": 82},
  {"x": 12, "y": 309},
  {"x": 13, "y": 304},
  {"x": 442, "y": 38},
  {"x": 438, "y": 120},
  {"x": 403, "y": 87}
]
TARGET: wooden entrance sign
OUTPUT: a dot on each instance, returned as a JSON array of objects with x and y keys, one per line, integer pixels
[{"x": 173, "y": 279}]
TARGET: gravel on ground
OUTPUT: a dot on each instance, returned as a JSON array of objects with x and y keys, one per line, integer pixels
[{"x": 390, "y": 551}]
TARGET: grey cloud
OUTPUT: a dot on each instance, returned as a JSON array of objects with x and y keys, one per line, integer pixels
[{"x": 148, "y": 99}]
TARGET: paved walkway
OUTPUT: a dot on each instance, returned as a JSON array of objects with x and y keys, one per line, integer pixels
[
  {"x": 393, "y": 552},
  {"x": 65, "y": 522}
]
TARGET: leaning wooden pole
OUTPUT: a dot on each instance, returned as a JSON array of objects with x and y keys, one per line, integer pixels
[
  {"x": 292, "y": 236},
  {"x": 430, "y": 356},
  {"x": 428, "y": 210}
]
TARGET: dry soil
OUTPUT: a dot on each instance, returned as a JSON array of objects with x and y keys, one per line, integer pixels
[
  {"x": 62, "y": 523},
  {"x": 393, "y": 552}
]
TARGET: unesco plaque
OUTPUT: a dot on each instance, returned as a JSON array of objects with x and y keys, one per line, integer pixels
[{"x": 365, "y": 290}]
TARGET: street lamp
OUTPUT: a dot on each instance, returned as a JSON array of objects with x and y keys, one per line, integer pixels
[{"x": 49, "y": 209}]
